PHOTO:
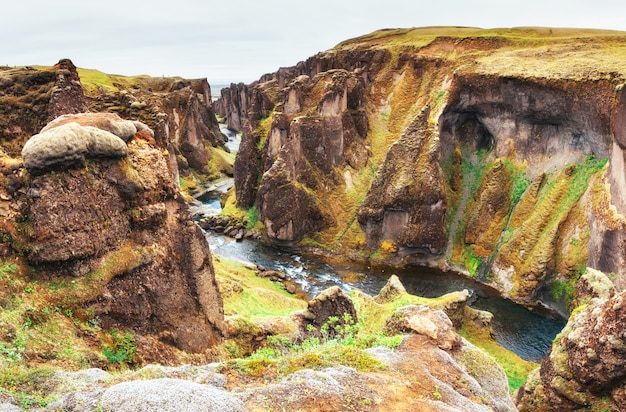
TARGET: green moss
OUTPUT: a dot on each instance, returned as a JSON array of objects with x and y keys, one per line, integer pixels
[
  {"x": 26, "y": 385},
  {"x": 257, "y": 297},
  {"x": 516, "y": 368},
  {"x": 263, "y": 130}
]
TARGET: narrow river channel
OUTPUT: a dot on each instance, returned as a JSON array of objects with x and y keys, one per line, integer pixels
[{"x": 516, "y": 328}]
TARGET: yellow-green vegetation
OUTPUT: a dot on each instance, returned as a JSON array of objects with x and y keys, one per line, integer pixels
[
  {"x": 249, "y": 296},
  {"x": 522, "y": 51},
  {"x": 263, "y": 130},
  {"x": 373, "y": 315},
  {"x": 556, "y": 200},
  {"x": 220, "y": 163},
  {"x": 94, "y": 80},
  {"x": 516, "y": 368},
  {"x": 42, "y": 327},
  {"x": 343, "y": 347}
]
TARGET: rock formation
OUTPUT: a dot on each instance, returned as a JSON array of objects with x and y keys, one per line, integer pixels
[
  {"x": 109, "y": 218},
  {"x": 179, "y": 111},
  {"x": 585, "y": 366},
  {"x": 463, "y": 148}
]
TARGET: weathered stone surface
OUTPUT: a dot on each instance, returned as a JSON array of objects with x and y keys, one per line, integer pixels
[
  {"x": 331, "y": 303},
  {"x": 126, "y": 217},
  {"x": 69, "y": 145},
  {"x": 67, "y": 95},
  {"x": 167, "y": 395},
  {"x": 302, "y": 150},
  {"x": 406, "y": 202},
  {"x": 465, "y": 379},
  {"x": 424, "y": 320},
  {"x": 586, "y": 365},
  {"x": 391, "y": 291},
  {"x": 110, "y": 122}
]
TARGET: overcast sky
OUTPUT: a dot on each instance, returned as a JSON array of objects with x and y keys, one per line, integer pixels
[{"x": 235, "y": 40}]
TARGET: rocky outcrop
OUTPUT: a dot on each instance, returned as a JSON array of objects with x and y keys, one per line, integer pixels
[
  {"x": 65, "y": 142},
  {"x": 464, "y": 378},
  {"x": 407, "y": 200},
  {"x": 67, "y": 95},
  {"x": 585, "y": 366},
  {"x": 30, "y": 98},
  {"x": 331, "y": 311},
  {"x": 510, "y": 172},
  {"x": 119, "y": 229},
  {"x": 300, "y": 150},
  {"x": 179, "y": 111}
]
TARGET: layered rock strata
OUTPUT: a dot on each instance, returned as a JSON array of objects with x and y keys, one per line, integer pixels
[{"x": 463, "y": 148}]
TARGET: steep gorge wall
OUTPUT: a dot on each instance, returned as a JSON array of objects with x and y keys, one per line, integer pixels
[
  {"x": 93, "y": 219},
  {"x": 516, "y": 179}
]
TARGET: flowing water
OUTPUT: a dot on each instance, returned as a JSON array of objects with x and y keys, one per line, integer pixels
[{"x": 516, "y": 328}]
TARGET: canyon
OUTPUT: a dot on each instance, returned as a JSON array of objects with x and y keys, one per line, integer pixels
[
  {"x": 495, "y": 153},
  {"x": 498, "y": 154}
]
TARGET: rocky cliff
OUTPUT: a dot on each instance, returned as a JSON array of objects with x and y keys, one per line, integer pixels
[
  {"x": 97, "y": 241},
  {"x": 584, "y": 369},
  {"x": 499, "y": 153},
  {"x": 180, "y": 111}
]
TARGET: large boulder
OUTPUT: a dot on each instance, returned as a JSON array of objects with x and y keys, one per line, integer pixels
[
  {"x": 168, "y": 395},
  {"x": 70, "y": 145}
]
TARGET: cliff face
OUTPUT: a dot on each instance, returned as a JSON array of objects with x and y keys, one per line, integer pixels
[
  {"x": 93, "y": 221},
  {"x": 585, "y": 366},
  {"x": 179, "y": 111},
  {"x": 499, "y": 153},
  {"x": 117, "y": 225}
]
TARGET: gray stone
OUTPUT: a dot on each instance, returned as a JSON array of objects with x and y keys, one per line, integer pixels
[
  {"x": 110, "y": 122},
  {"x": 70, "y": 144},
  {"x": 163, "y": 395}
]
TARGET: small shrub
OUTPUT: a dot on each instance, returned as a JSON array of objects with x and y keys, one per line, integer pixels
[{"x": 123, "y": 349}]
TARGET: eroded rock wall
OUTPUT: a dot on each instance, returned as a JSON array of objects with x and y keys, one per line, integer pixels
[
  {"x": 585, "y": 366},
  {"x": 179, "y": 111},
  {"x": 514, "y": 178},
  {"x": 115, "y": 226}
]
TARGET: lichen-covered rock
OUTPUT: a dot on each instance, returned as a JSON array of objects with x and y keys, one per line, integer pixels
[
  {"x": 406, "y": 203},
  {"x": 69, "y": 145},
  {"x": 586, "y": 364},
  {"x": 124, "y": 219},
  {"x": 332, "y": 303},
  {"x": 391, "y": 291},
  {"x": 167, "y": 395},
  {"x": 424, "y": 320},
  {"x": 299, "y": 152}
]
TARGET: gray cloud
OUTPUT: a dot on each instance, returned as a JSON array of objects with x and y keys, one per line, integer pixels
[{"x": 230, "y": 41}]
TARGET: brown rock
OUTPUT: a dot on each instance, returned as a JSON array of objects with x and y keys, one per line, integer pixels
[
  {"x": 424, "y": 320},
  {"x": 331, "y": 303},
  {"x": 88, "y": 220}
]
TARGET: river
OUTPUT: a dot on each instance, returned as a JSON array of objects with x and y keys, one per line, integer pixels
[{"x": 516, "y": 328}]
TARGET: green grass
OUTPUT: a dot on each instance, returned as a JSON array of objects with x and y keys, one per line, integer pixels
[
  {"x": 516, "y": 368},
  {"x": 254, "y": 296},
  {"x": 282, "y": 356}
]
